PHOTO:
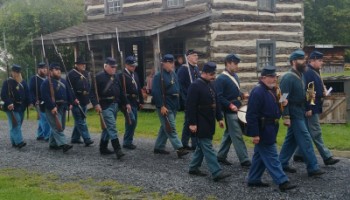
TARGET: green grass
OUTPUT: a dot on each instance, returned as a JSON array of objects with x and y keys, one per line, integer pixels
[
  {"x": 335, "y": 136},
  {"x": 19, "y": 184},
  {"x": 345, "y": 73}
]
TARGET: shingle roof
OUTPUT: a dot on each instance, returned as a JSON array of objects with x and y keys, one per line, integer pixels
[{"x": 131, "y": 26}]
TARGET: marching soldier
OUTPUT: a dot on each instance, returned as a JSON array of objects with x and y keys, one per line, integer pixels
[
  {"x": 202, "y": 111},
  {"x": 165, "y": 93},
  {"x": 229, "y": 95},
  {"x": 80, "y": 81},
  {"x": 15, "y": 94},
  {"x": 43, "y": 131},
  {"x": 312, "y": 74},
  {"x": 294, "y": 117},
  {"x": 262, "y": 117},
  {"x": 186, "y": 75},
  {"x": 133, "y": 99},
  {"x": 109, "y": 94},
  {"x": 57, "y": 97}
]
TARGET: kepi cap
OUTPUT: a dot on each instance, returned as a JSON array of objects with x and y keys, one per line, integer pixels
[
  {"x": 209, "y": 67},
  {"x": 131, "y": 60},
  {"x": 269, "y": 70},
  {"x": 55, "y": 65},
  {"x": 316, "y": 55},
  {"x": 297, "y": 54},
  {"x": 16, "y": 68},
  {"x": 80, "y": 60},
  {"x": 111, "y": 61},
  {"x": 168, "y": 58},
  {"x": 41, "y": 65},
  {"x": 233, "y": 58},
  {"x": 190, "y": 52}
]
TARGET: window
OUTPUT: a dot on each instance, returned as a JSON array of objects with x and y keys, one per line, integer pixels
[
  {"x": 113, "y": 6},
  {"x": 267, "y": 5},
  {"x": 266, "y": 53},
  {"x": 173, "y": 3}
]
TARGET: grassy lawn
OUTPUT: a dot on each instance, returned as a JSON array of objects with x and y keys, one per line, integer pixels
[
  {"x": 345, "y": 73},
  {"x": 19, "y": 184},
  {"x": 335, "y": 136}
]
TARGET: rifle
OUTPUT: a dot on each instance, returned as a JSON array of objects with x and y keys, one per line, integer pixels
[
  {"x": 123, "y": 75},
  {"x": 102, "y": 121},
  {"x": 37, "y": 101},
  {"x": 52, "y": 92},
  {"x": 188, "y": 68},
  {"x": 27, "y": 82},
  {"x": 68, "y": 79},
  {"x": 10, "y": 93},
  {"x": 168, "y": 128}
]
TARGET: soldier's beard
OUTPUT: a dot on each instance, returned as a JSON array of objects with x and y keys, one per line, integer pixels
[{"x": 300, "y": 67}]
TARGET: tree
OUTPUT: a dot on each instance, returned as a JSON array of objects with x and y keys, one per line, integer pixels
[{"x": 24, "y": 20}]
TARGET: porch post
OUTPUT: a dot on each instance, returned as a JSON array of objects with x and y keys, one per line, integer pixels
[
  {"x": 113, "y": 49},
  {"x": 156, "y": 53},
  {"x": 76, "y": 51}
]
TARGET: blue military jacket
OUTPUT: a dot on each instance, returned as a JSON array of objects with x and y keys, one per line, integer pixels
[
  {"x": 132, "y": 88},
  {"x": 263, "y": 114},
  {"x": 228, "y": 92},
  {"x": 81, "y": 85},
  {"x": 171, "y": 87},
  {"x": 62, "y": 92},
  {"x": 108, "y": 88},
  {"x": 15, "y": 93},
  {"x": 202, "y": 108},
  {"x": 34, "y": 89},
  {"x": 311, "y": 74},
  {"x": 293, "y": 83},
  {"x": 184, "y": 78}
]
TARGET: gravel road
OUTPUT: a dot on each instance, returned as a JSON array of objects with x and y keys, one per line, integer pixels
[{"x": 159, "y": 173}]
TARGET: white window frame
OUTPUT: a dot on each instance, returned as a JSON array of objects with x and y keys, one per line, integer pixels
[
  {"x": 113, "y": 6},
  {"x": 169, "y": 4},
  {"x": 267, "y": 5},
  {"x": 265, "y": 53}
]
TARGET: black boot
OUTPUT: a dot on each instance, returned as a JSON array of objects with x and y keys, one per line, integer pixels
[
  {"x": 103, "y": 148},
  {"x": 117, "y": 148}
]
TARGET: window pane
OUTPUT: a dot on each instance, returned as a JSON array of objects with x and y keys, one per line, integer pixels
[{"x": 114, "y": 6}]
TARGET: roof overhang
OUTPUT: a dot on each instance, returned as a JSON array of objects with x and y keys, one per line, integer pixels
[{"x": 128, "y": 27}]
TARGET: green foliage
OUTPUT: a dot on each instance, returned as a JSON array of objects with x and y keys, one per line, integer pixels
[
  {"x": 327, "y": 22},
  {"x": 23, "y": 21}
]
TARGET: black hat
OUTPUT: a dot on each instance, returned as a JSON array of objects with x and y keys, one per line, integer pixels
[
  {"x": 269, "y": 70},
  {"x": 55, "y": 65},
  {"x": 80, "y": 60},
  {"x": 41, "y": 65},
  {"x": 297, "y": 54},
  {"x": 131, "y": 60},
  {"x": 316, "y": 55},
  {"x": 190, "y": 52},
  {"x": 168, "y": 58},
  {"x": 232, "y": 58},
  {"x": 111, "y": 61},
  {"x": 16, "y": 68},
  {"x": 209, "y": 67}
]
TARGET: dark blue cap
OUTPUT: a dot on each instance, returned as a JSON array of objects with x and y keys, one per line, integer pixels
[
  {"x": 110, "y": 61},
  {"x": 16, "y": 68},
  {"x": 41, "y": 65},
  {"x": 168, "y": 58},
  {"x": 55, "y": 65},
  {"x": 209, "y": 67},
  {"x": 232, "y": 58},
  {"x": 131, "y": 60},
  {"x": 316, "y": 55},
  {"x": 297, "y": 54},
  {"x": 80, "y": 60},
  {"x": 191, "y": 51},
  {"x": 269, "y": 70}
]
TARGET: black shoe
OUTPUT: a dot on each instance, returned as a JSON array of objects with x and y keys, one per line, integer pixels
[
  {"x": 289, "y": 169},
  {"x": 106, "y": 151},
  {"x": 188, "y": 148},
  {"x": 258, "y": 184},
  {"x": 40, "y": 138},
  {"x": 197, "y": 173},
  {"x": 224, "y": 161},
  {"x": 119, "y": 154},
  {"x": 77, "y": 142},
  {"x": 129, "y": 146},
  {"x": 20, "y": 145},
  {"x": 55, "y": 147},
  {"x": 66, "y": 147},
  {"x": 316, "y": 173},
  {"x": 298, "y": 158},
  {"x": 286, "y": 186},
  {"x": 88, "y": 143},
  {"x": 246, "y": 163},
  {"x": 160, "y": 151},
  {"x": 331, "y": 161},
  {"x": 221, "y": 176},
  {"x": 181, "y": 152},
  {"x": 14, "y": 145}
]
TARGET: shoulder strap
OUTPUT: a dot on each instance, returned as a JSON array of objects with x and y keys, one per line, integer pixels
[{"x": 232, "y": 78}]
